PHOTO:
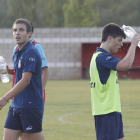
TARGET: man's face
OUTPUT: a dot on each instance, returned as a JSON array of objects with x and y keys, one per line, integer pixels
[
  {"x": 20, "y": 34},
  {"x": 116, "y": 44}
]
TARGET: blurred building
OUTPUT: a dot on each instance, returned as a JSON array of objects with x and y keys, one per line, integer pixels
[{"x": 67, "y": 50}]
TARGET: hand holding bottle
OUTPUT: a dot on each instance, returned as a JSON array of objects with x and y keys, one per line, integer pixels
[
  {"x": 130, "y": 32},
  {"x": 3, "y": 70},
  {"x": 135, "y": 40}
]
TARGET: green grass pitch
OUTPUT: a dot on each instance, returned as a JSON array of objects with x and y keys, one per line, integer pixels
[{"x": 67, "y": 113}]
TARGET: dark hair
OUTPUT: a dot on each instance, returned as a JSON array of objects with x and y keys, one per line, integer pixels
[
  {"x": 113, "y": 30},
  {"x": 31, "y": 25},
  {"x": 27, "y": 23}
]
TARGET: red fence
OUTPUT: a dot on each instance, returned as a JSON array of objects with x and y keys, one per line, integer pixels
[{"x": 87, "y": 50}]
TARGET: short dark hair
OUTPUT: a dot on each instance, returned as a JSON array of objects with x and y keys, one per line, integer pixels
[
  {"x": 113, "y": 30},
  {"x": 27, "y": 23},
  {"x": 31, "y": 25}
]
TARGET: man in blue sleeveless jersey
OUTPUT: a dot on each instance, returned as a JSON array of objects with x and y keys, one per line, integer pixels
[
  {"x": 26, "y": 111},
  {"x": 105, "y": 96}
]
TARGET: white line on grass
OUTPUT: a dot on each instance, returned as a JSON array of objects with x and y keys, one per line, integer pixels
[
  {"x": 131, "y": 130},
  {"x": 61, "y": 119}
]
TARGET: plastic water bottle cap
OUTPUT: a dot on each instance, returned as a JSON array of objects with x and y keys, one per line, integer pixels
[{"x": 123, "y": 26}]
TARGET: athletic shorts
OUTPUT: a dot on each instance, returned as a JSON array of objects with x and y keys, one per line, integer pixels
[
  {"x": 109, "y": 126},
  {"x": 28, "y": 120}
]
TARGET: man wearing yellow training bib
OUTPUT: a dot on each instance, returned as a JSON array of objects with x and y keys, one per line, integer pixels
[{"x": 105, "y": 96}]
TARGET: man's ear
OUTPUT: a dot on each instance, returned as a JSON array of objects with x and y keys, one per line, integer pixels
[
  {"x": 109, "y": 39},
  {"x": 30, "y": 34}
]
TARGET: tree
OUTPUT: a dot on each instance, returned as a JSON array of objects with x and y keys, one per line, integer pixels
[
  {"x": 26, "y": 9},
  {"x": 22, "y": 9},
  {"x": 54, "y": 13},
  {"x": 120, "y": 12},
  {"x": 70, "y": 13},
  {"x": 80, "y": 13},
  {"x": 43, "y": 13},
  {"x": 3, "y": 13}
]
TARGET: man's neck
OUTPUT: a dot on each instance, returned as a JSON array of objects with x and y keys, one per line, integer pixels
[
  {"x": 21, "y": 45},
  {"x": 104, "y": 45}
]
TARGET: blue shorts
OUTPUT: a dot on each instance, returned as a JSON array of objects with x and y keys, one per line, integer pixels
[
  {"x": 28, "y": 120},
  {"x": 109, "y": 126}
]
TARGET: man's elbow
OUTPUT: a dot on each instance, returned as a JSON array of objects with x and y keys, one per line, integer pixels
[
  {"x": 26, "y": 82},
  {"x": 127, "y": 67},
  {"x": 124, "y": 67}
]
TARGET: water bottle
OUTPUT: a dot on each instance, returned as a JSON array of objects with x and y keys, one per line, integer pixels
[
  {"x": 130, "y": 32},
  {"x": 3, "y": 69}
]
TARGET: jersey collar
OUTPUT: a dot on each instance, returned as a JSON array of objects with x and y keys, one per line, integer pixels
[
  {"x": 101, "y": 50},
  {"x": 24, "y": 48}
]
